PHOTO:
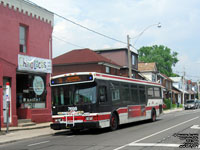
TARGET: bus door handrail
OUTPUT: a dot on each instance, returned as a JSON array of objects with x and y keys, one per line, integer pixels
[{"x": 73, "y": 117}]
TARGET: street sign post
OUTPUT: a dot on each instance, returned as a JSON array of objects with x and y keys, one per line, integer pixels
[{"x": 7, "y": 105}]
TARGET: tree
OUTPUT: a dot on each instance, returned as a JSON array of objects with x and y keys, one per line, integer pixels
[{"x": 163, "y": 57}]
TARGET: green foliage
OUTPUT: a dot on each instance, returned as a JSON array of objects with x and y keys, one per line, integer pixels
[
  {"x": 174, "y": 106},
  {"x": 180, "y": 106},
  {"x": 167, "y": 103},
  {"x": 161, "y": 55}
]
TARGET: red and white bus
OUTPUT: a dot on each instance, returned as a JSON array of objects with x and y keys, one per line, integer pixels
[{"x": 96, "y": 100}]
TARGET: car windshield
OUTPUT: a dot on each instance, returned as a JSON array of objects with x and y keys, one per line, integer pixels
[
  {"x": 76, "y": 94},
  {"x": 190, "y": 101}
]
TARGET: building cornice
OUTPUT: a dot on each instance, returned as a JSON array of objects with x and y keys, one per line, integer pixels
[{"x": 29, "y": 9}]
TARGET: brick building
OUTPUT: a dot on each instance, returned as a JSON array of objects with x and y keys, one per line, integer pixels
[
  {"x": 84, "y": 60},
  {"x": 25, "y": 61},
  {"x": 120, "y": 57}
]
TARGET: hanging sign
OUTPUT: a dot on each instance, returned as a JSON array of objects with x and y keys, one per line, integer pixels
[{"x": 35, "y": 64}]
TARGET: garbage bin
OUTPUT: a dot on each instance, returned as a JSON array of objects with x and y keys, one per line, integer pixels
[{"x": 177, "y": 104}]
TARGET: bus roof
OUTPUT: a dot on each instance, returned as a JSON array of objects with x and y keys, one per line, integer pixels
[{"x": 97, "y": 75}]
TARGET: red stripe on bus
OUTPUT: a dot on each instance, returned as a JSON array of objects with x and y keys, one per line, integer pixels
[
  {"x": 122, "y": 110},
  {"x": 100, "y": 117},
  {"x": 127, "y": 79},
  {"x": 150, "y": 107},
  {"x": 103, "y": 117},
  {"x": 83, "y": 118}
]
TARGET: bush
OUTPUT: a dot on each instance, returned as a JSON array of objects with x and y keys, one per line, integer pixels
[
  {"x": 167, "y": 103},
  {"x": 180, "y": 106},
  {"x": 174, "y": 106}
]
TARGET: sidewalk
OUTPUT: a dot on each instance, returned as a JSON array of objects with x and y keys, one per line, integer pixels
[
  {"x": 21, "y": 133},
  {"x": 172, "y": 110}
]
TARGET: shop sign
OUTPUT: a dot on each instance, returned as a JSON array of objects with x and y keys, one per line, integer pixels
[
  {"x": 38, "y": 85},
  {"x": 35, "y": 64}
]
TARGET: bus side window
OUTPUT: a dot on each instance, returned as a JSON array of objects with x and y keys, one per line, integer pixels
[
  {"x": 150, "y": 92},
  {"x": 102, "y": 94},
  {"x": 157, "y": 92},
  {"x": 142, "y": 94},
  {"x": 115, "y": 93}
]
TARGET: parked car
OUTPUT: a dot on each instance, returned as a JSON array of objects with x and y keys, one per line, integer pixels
[
  {"x": 198, "y": 101},
  {"x": 191, "y": 104}
]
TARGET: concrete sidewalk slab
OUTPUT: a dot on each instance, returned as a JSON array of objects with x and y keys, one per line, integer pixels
[
  {"x": 21, "y": 133},
  {"x": 25, "y": 134},
  {"x": 172, "y": 110},
  {"x": 36, "y": 126}
]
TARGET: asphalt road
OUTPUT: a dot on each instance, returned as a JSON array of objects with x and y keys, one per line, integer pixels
[{"x": 169, "y": 132}]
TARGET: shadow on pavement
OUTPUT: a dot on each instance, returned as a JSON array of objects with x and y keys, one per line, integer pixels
[{"x": 102, "y": 131}]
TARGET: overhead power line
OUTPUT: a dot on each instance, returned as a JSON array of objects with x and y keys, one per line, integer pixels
[
  {"x": 67, "y": 42},
  {"x": 91, "y": 30}
]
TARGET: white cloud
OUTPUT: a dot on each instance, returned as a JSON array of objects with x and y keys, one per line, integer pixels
[{"x": 116, "y": 18}]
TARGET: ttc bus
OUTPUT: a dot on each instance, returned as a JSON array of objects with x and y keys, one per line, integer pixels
[{"x": 95, "y": 100}]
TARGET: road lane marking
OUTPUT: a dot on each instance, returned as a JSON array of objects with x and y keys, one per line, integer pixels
[
  {"x": 157, "y": 133},
  {"x": 195, "y": 127},
  {"x": 70, "y": 136},
  {"x": 38, "y": 143}
]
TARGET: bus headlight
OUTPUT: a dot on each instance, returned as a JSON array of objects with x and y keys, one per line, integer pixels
[{"x": 89, "y": 118}]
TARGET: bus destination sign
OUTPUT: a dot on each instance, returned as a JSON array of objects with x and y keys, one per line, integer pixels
[{"x": 71, "y": 79}]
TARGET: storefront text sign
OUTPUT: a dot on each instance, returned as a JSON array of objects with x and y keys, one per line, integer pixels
[{"x": 35, "y": 64}]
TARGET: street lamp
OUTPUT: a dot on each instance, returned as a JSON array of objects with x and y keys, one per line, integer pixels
[
  {"x": 138, "y": 36},
  {"x": 128, "y": 45}
]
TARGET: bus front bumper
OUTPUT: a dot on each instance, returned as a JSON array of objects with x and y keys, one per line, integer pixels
[{"x": 84, "y": 125}]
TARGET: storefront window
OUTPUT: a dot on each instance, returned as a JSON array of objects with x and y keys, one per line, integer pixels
[{"x": 31, "y": 91}]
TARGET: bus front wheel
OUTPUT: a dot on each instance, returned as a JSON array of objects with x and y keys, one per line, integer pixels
[{"x": 113, "y": 122}]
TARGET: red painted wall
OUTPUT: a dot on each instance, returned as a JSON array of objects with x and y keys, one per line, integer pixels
[
  {"x": 39, "y": 34},
  {"x": 1, "y": 93}
]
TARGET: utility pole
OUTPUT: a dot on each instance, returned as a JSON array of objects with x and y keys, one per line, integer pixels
[
  {"x": 129, "y": 57},
  {"x": 198, "y": 89},
  {"x": 183, "y": 87}
]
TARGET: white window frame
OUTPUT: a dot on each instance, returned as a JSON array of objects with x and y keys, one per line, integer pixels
[
  {"x": 107, "y": 69},
  {"x": 133, "y": 59},
  {"x": 22, "y": 39}
]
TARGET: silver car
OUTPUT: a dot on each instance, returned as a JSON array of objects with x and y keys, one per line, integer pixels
[{"x": 191, "y": 104}]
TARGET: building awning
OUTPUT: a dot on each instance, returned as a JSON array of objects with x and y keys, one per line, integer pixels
[{"x": 176, "y": 92}]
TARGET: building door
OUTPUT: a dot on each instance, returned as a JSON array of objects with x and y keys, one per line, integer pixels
[{"x": 5, "y": 80}]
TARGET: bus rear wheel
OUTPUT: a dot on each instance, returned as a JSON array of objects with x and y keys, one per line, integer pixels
[
  {"x": 153, "y": 115},
  {"x": 113, "y": 122}
]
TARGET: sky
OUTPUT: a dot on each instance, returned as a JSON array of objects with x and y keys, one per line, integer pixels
[{"x": 180, "y": 20}]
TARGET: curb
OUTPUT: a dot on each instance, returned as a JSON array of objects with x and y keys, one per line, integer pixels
[
  {"x": 22, "y": 129},
  {"x": 17, "y": 140},
  {"x": 172, "y": 110},
  {"x": 17, "y": 135}
]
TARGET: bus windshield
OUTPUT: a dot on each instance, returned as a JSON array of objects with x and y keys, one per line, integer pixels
[{"x": 75, "y": 94}]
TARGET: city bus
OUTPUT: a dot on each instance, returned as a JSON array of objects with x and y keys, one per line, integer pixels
[{"x": 87, "y": 100}]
